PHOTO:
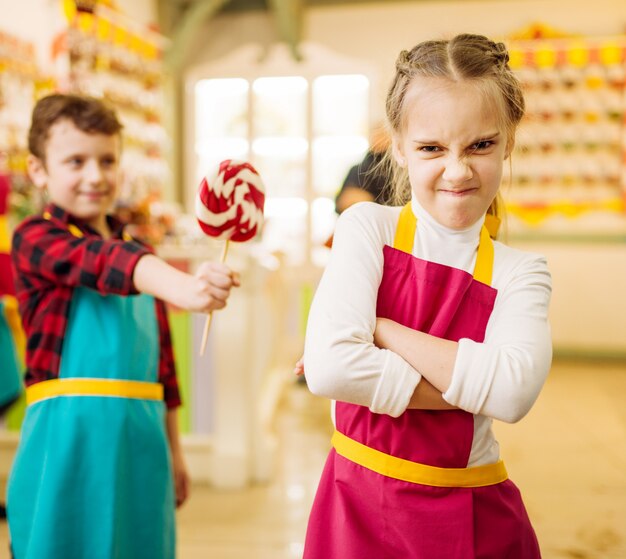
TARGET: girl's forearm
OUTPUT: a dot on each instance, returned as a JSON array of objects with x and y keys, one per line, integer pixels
[
  {"x": 432, "y": 357},
  {"x": 427, "y": 397}
]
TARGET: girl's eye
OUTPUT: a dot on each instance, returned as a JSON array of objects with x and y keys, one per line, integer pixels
[
  {"x": 430, "y": 149},
  {"x": 75, "y": 161},
  {"x": 108, "y": 162},
  {"x": 483, "y": 144}
]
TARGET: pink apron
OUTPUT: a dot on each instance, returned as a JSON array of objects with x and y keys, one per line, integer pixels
[{"x": 400, "y": 487}]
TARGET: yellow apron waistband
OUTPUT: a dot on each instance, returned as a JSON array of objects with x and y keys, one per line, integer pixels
[
  {"x": 414, "y": 472},
  {"x": 93, "y": 387}
]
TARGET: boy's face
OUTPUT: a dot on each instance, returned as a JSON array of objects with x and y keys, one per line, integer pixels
[{"x": 79, "y": 172}]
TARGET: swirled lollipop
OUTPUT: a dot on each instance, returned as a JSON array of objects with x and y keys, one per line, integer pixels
[{"x": 229, "y": 206}]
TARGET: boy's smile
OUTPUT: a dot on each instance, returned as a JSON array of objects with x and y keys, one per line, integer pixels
[{"x": 79, "y": 172}]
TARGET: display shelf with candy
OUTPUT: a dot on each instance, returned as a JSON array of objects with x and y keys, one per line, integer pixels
[
  {"x": 569, "y": 163},
  {"x": 100, "y": 52},
  {"x": 20, "y": 84}
]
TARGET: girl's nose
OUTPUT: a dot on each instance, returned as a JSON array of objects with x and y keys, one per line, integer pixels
[{"x": 457, "y": 170}]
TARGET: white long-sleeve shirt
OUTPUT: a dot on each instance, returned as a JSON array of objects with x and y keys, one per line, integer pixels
[{"x": 499, "y": 378}]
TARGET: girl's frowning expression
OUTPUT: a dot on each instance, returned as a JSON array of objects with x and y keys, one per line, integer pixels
[{"x": 453, "y": 147}]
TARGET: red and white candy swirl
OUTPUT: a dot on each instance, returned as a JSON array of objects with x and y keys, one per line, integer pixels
[{"x": 230, "y": 205}]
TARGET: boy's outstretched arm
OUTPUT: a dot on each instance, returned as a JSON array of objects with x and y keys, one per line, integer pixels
[{"x": 205, "y": 291}]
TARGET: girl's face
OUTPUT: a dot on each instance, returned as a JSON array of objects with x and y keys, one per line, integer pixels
[{"x": 453, "y": 148}]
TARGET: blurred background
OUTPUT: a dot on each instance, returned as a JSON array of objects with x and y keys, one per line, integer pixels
[{"x": 297, "y": 87}]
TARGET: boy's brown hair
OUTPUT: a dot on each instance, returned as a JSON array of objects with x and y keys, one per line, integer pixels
[{"x": 88, "y": 114}]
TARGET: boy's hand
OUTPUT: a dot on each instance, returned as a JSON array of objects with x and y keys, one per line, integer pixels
[
  {"x": 205, "y": 291},
  {"x": 181, "y": 479},
  {"x": 210, "y": 287}
]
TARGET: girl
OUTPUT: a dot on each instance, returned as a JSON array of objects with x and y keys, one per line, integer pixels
[{"x": 424, "y": 329}]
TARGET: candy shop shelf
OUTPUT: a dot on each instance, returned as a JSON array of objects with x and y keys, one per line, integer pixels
[
  {"x": 568, "y": 238},
  {"x": 572, "y": 140},
  {"x": 105, "y": 54}
]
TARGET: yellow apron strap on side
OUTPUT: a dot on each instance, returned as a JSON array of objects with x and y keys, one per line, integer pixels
[
  {"x": 93, "y": 387},
  {"x": 12, "y": 316},
  {"x": 5, "y": 238},
  {"x": 483, "y": 270},
  {"x": 405, "y": 230},
  {"x": 414, "y": 472}
]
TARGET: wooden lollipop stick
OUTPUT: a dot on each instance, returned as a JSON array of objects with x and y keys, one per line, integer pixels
[{"x": 207, "y": 324}]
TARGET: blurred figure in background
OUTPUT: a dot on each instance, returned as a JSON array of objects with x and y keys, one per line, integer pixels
[
  {"x": 367, "y": 181},
  {"x": 10, "y": 328}
]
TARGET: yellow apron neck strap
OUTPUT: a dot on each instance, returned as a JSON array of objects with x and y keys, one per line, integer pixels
[
  {"x": 70, "y": 226},
  {"x": 74, "y": 230},
  {"x": 492, "y": 223},
  {"x": 405, "y": 230},
  {"x": 483, "y": 270}
]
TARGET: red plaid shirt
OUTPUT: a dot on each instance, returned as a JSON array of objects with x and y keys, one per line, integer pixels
[{"x": 49, "y": 261}]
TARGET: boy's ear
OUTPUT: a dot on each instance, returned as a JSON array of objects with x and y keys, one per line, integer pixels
[
  {"x": 397, "y": 152},
  {"x": 37, "y": 171}
]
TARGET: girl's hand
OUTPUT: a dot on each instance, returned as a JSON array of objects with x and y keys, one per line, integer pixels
[{"x": 181, "y": 479}]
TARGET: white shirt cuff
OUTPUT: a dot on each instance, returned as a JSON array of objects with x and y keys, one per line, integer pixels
[
  {"x": 464, "y": 391},
  {"x": 395, "y": 386}
]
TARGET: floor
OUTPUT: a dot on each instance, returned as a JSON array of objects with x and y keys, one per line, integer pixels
[{"x": 568, "y": 456}]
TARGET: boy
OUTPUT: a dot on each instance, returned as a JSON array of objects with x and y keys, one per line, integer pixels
[{"x": 93, "y": 476}]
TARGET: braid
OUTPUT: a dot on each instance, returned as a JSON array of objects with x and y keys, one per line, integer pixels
[
  {"x": 502, "y": 55},
  {"x": 403, "y": 63}
]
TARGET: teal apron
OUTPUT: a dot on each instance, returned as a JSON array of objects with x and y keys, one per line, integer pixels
[
  {"x": 92, "y": 475},
  {"x": 10, "y": 378}
]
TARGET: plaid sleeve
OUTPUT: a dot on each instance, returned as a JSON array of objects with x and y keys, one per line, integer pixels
[
  {"x": 167, "y": 367},
  {"x": 46, "y": 250}
]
